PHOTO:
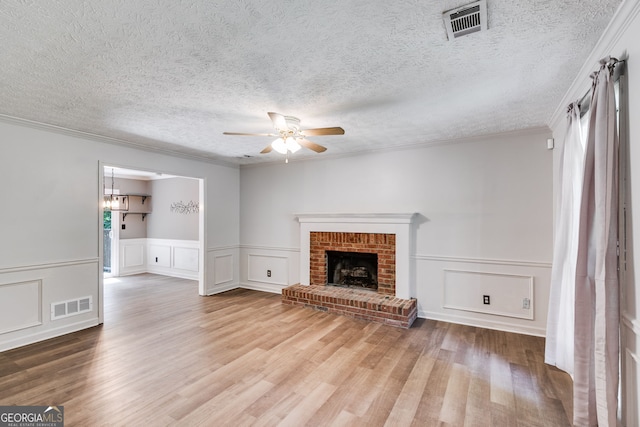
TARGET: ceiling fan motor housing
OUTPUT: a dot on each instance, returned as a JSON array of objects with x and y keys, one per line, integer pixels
[{"x": 293, "y": 125}]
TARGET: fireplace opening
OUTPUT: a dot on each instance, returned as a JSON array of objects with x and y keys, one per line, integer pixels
[{"x": 352, "y": 270}]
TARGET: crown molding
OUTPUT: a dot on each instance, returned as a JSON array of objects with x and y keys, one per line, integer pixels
[
  {"x": 536, "y": 130},
  {"x": 622, "y": 19},
  {"x": 109, "y": 140}
]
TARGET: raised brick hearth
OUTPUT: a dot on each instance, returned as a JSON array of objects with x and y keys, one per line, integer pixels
[{"x": 366, "y": 305}]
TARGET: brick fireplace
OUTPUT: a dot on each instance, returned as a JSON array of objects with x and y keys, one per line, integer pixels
[
  {"x": 386, "y": 235},
  {"x": 383, "y": 245}
]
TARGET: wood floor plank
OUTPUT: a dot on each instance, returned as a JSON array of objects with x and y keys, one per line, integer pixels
[
  {"x": 344, "y": 419},
  {"x": 453, "y": 406},
  {"x": 306, "y": 409},
  {"x": 501, "y": 382},
  {"x": 242, "y": 358},
  {"x": 412, "y": 391}
]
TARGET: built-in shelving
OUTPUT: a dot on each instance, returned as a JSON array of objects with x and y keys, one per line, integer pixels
[{"x": 138, "y": 208}]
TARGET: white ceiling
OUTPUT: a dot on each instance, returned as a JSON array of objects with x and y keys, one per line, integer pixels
[{"x": 175, "y": 74}]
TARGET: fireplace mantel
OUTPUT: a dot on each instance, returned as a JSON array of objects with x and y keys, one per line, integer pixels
[
  {"x": 371, "y": 218},
  {"x": 400, "y": 224}
]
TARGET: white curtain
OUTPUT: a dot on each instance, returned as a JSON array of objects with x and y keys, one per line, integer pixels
[
  {"x": 593, "y": 333},
  {"x": 559, "y": 343}
]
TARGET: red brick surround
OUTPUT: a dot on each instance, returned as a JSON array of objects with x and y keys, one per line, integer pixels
[
  {"x": 382, "y": 244},
  {"x": 360, "y": 304}
]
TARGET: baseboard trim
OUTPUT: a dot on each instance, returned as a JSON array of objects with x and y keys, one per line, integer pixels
[
  {"x": 218, "y": 289},
  {"x": 253, "y": 286},
  {"x": 48, "y": 334},
  {"x": 172, "y": 272},
  {"x": 263, "y": 287},
  {"x": 479, "y": 323},
  {"x": 133, "y": 272}
]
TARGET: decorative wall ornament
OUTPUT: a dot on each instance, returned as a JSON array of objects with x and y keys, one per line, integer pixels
[{"x": 189, "y": 208}]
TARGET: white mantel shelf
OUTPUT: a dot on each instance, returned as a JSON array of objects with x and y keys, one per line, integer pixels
[
  {"x": 372, "y": 218},
  {"x": 399, "y": 224}
]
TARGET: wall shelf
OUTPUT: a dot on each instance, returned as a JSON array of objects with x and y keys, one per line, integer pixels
[
  {"x": 142, "y": 196},
  {"x": 144, "y": 214},
  {"x": 136, "y": 207}
]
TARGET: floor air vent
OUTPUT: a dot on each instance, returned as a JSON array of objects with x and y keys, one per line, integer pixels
[
  {"x": 466, "y": 19},
  {"x": 73, "y": 307}
]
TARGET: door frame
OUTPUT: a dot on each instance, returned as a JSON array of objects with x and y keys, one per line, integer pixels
[{"x": 115, "y": 239}]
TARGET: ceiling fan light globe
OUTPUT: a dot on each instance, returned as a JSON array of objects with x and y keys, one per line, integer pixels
[
  {"x": 292, "y": 145},
  {"x": 280, "y": 146}
]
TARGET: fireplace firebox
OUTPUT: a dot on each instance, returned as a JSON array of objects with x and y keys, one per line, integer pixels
[{"x": 352, "y": 269}]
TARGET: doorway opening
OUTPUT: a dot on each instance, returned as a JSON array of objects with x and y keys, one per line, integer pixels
[{"x": 134, "y": 240}]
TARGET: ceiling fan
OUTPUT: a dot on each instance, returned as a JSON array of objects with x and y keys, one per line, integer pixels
[{"x": 290, "y": 138}]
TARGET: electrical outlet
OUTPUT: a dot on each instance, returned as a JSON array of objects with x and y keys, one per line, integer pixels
[
  {"x": 526, "y": 303},
  {"x": 486, "y": 299},
  {"x": 124, "y": 226},
  {"x": 268, "y": 273}
]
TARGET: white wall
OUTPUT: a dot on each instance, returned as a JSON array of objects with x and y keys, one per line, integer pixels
[
  {"x": 485, "y": 208},
  {"x": 621, "y": 40},
  {"x": 164, "y": 224},
  {"x": 135, "y": 227},
  {"x": 49, "y": 238}
]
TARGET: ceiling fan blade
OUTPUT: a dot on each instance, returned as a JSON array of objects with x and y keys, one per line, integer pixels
[
  {"x": 311, "y": 145},
  {"x": 249, "y": 134},
  {"x": 266, "y": 149},
  {"x": 323, "y": 131},
  {"x": 278, "y": 121}
]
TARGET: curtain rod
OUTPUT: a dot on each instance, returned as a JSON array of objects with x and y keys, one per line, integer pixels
[{"x": 585, "y": 97}]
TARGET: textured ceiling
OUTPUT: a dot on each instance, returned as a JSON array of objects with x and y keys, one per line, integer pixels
[{"x": 175, "y": 74}]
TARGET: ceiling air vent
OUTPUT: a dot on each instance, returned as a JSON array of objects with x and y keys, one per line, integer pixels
[{"x": 466, "y": 19}]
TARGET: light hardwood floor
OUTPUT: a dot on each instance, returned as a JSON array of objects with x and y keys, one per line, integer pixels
[{"x": 166, "y": 356}]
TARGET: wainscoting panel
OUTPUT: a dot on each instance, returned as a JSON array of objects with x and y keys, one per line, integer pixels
[
  {"x": 268, "y": 269},
  {"x": 132, "y": 256},
  {"x": 185, "y": 258},
  {"x": 451, "y": 289},
  {"x": 506, "y": 294},
  {"x": 160, "y": 255},
  {"x": 222, "y": 269},
  {"x": 20, "y": 305},
  {"x": 26, "y": 295},
  {"x": 175, "y": 258}
]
